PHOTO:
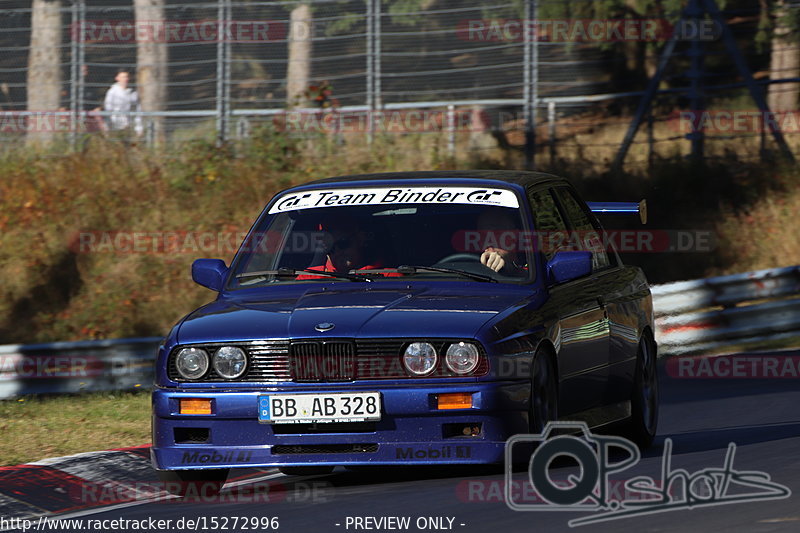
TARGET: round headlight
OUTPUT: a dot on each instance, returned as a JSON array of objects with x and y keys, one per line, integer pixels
[
  {"x": 462, "y": 358},
  {"x": 420, "y": 358},
  {"x": 192, "y": 363},
  {"x": 230, "y": 362}
]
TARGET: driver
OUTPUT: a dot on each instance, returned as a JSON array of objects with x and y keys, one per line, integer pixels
[
  {"x": 496, "y": 221},
  {"x": 347, "y": 249}
]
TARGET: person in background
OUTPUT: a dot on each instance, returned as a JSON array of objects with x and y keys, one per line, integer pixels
[{"x": 121, "y": 100}]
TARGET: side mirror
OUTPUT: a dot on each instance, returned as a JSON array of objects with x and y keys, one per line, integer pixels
[
  {"x": 209, "y": 273},
  {"x": 566, "y": 266}
]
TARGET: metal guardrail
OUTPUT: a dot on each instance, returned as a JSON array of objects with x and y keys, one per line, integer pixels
[
  {"x": 728, "y": 312},
  {"x": 71, "y": 367}
]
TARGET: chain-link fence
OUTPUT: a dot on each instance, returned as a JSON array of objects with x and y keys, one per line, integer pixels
[{"x": 465, "y": 69}]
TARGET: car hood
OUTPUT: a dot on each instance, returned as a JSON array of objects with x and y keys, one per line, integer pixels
[{"x": 354, "y": 310}]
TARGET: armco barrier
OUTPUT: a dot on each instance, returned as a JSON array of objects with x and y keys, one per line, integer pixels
[
  {"x": 723, "y": 313},
  {"x": 68, "y": 367},
  {"x": 728, "y": 312}
]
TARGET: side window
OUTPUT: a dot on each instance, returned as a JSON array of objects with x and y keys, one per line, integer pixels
[
  {"x": 586, "y": 233},
  {"x": 549, "y": 225}
]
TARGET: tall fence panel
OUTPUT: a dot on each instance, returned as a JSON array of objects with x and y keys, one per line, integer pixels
[{"x": 578, "y": 73}]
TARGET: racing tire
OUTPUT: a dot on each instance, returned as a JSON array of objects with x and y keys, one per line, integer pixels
[
  {"x": 643, "y": 423},
  {"x": 544, "y": 393},
  {"x": 202, "y": 483}
]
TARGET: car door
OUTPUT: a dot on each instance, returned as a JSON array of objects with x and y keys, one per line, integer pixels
[
  {"x": 623, "y": 288},
  {"x": 612, "y": 285},
  {"x": 583, "y": 326}
]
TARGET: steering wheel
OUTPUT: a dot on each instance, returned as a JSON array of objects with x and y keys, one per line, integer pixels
[{"x": 472, "y": 258}]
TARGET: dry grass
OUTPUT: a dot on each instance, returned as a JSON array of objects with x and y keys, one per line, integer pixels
[
  {"x": 55, "y": 288},
  {"x": 763, "y": 236},
  {"x": 594, "y": 137}
]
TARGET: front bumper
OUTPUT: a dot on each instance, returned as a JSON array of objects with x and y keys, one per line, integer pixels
[{"x": 411, "y": 430}]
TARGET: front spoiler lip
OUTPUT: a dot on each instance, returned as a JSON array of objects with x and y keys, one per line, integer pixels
[
  {"x": 464, "y": 453},
  {"x": 409, "y": 420}
]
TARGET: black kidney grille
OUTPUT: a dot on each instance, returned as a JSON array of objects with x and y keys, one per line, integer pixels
[{"x": 316, "y": 362}]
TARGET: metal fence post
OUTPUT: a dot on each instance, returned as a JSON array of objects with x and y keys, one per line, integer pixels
[
  {"x": 223, "y": 70},
  {"x": 226, "y": 80},
  {"x": 451, "y": 131},
  {"x": 76, "y": 29},
  {"x": 650, "y": 140},
  {"x": 531, "y": 80},
  {"x": 150, "y": 131},
  {"x": 551, "y": 129},
  {"x": 370, "y": 67},
  {"x": 82, "y": 57},
  {"x": 762, "y": 131},
  {"x": 376, "y": 73},
  {"x": 695, "y": 74},
  {"x": 242, "y": 128}
]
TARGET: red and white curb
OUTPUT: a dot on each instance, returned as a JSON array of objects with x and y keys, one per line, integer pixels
[{"x": 86, "y": 482}]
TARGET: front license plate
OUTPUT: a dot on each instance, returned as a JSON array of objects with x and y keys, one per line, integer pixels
[{"x": 330, "y": 407}]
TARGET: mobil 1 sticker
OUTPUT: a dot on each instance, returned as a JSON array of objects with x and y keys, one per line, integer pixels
[{"x": 487, "y": 196}]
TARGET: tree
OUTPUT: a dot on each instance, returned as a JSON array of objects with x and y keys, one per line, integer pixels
[
  {"x": 298, "y": 71},
  {"x": 44, "y": 63},
  {"x": 151, "y": 64},
  {"x": 784, "y": 58},
  {"x": 298, "y": 68}
]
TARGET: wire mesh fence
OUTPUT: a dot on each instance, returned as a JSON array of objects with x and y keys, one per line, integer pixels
[{"x": 560, "y": 76}]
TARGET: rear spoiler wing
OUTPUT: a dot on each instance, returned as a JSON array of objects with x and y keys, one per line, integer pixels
[{"x": 611, "y": 208}]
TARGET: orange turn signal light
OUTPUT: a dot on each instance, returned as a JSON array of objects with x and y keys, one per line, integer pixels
[
  {"x": 455, "y": 400},
  {"x": 195, "y": 406}
]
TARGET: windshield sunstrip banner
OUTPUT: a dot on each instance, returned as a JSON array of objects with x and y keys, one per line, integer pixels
[{"x": 395, "y": 195}]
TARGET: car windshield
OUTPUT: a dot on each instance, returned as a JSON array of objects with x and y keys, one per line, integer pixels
[{"x": 477, "y": 241}]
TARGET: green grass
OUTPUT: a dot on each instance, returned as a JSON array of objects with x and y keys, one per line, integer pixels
[{"x": 38, "y": 427}]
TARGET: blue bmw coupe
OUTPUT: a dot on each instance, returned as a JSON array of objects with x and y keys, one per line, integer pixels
[{"x": 406, "y": 318}]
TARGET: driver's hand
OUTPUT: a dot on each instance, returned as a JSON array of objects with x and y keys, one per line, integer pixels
[{"x": 494, "y": 258}]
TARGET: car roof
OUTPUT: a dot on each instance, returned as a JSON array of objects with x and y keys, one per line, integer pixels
[{"x": 523, "y": 178}]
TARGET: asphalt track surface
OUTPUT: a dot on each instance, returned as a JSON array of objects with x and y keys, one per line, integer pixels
[{"x": 701, "y": 416}]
